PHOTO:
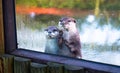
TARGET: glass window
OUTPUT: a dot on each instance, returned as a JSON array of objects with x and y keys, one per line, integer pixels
[{"x": 97, "y": 23}]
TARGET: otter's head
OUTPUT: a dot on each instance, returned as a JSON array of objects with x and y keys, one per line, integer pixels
[
  {"x": 51, "y": 32},
  {"x": 67, "y": 23}
]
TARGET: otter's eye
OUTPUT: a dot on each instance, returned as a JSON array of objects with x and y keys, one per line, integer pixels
[
  {"x": 74, "y": 21},
  {"x": 60, "y": 20},
  {"x": 69, "y": 20},
  {"x": 54, "y": 30}
]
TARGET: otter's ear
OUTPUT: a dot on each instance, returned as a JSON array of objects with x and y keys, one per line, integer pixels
[
  {"x": 60, "y": 20},
  {"x": 45, "y": 29}
]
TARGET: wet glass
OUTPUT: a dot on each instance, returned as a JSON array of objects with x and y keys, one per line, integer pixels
[{"x": 98, "y": 22}]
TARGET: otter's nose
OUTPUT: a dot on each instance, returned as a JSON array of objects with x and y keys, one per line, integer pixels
[{"x": 49, "y": 32}]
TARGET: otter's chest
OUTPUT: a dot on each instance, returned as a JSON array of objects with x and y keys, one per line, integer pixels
[
  {"x": 67, "y": 35},
  {"x": 52, "y": 43},
  {"x": 51, "y": 46}
]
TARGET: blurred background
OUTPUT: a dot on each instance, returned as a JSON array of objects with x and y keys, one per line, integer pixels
[{"x": 98, "y": 22}]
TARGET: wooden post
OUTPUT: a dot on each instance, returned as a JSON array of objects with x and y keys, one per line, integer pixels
[
  {"x": 97, "y": 10},
  {"x": 38, "y": 68},
  {"x": 73, "y": 69},
  {"x": 94, "y": 71},
  {"x": 1, "y": 30},
  {"x": 21, "y": 65},
  {"x": 1, "y": 66},
  {"x": 6, "y": 62},
  {"x": 55, "y": 68}
]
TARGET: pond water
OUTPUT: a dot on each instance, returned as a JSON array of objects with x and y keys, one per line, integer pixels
[{"x": 100, "y": 37}]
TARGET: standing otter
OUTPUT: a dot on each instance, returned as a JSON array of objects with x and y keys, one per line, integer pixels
[
  {"x": 71, "y": 36},
  {"x": 52, "y": 34}
]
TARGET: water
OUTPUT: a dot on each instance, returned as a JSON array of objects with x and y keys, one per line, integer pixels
[
  {"x": 94, "y": 33},
  {"x": 100, "y": 43},
  {"x": 31, "y": 39}
]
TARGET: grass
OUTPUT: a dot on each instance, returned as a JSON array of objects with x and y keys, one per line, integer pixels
[{"x": 80, "y": 4}]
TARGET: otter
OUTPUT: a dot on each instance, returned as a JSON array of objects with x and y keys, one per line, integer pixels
[
  {"x": 51, "y": 46},
  {"x": 54, "y": 42},
  {"x": 70, "y": 36}
]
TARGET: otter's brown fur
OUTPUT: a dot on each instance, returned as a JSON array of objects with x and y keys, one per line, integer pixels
[{"x": 71, "y": 36}]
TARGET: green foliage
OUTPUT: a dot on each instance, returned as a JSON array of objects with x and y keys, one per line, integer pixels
[
  {"x": 110, "y": 5},
  {"x": 81, "y": 4},
  {"x": 27, "y": 2},
  {"x": 42, "y": 3}
]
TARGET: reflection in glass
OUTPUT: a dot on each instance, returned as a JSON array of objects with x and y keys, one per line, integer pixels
[{"x": 98, "y": 23}]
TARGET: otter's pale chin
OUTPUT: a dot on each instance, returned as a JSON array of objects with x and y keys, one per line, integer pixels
[{"x": 60, "y": 27}]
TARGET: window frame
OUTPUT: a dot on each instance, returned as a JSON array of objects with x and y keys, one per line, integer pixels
[{"x": 10, "y": 34}]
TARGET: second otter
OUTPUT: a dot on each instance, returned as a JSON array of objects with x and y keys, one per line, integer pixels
[
  {"x": 71, "y": 35},
  {"x": 52, "y": 34},
  {"x": 54, "y": 42}
]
